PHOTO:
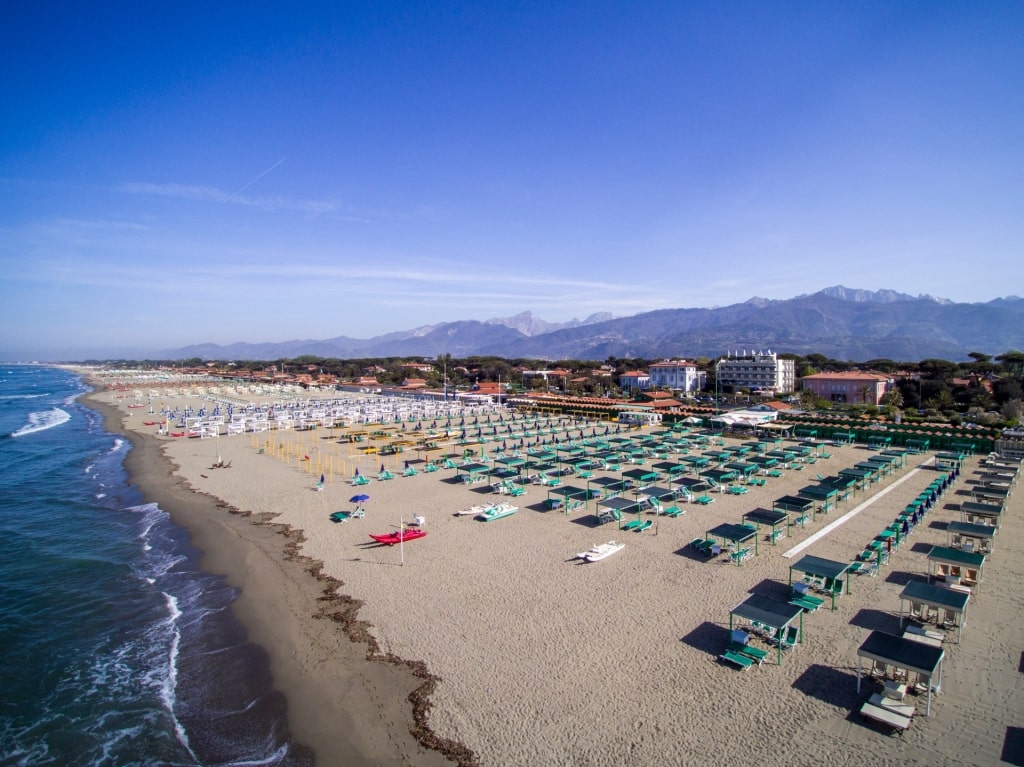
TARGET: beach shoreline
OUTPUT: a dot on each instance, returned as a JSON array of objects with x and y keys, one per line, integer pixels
[
  {"x": 346, "y": 701},
  {"x": 535, "y": 657}
]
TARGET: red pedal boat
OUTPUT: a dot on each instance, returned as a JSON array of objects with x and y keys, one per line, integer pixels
[{"x": 398, "y": 536}]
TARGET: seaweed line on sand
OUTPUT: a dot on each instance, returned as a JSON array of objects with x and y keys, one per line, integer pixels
[{"x": 343, "y": 610}]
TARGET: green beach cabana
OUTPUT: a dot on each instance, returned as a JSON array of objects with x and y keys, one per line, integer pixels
[
  {"x": 845, "y": 485},
  {"x": 918, "y": 445},
  {"x": 640, "y": 477},
  {"x": 609, "y": 486},
  {"x": 764, "y": 613},
  {"x": 696, "y": 462},
  {"x": 796, "y": 505},
  {"x": 830, "y": 571},
  {"x": 609, "y": 509},
  {"x": 770, "y": 517},
  {"x": 860, "y": 475},
  {"x": 735, "y": 534},
  {"x": 566, "y": 497},
  {"x": 826, "y": 495}
]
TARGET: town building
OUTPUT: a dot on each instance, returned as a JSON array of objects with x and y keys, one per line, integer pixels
[
  {"x": 760, "y": 372},
  {"x": 678, "y": 375},
  {"x": 634, "y": 380},
  {"x": 853, "y": 387}
]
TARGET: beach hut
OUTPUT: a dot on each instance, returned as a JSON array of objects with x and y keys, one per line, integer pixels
[
  {"x": 903, "y": 654},
  {"x": 824, "y": 574},
  {"x": 922, "y": 595},
  {"x": 970, "y": 536},
  {"x": 983, "y": 513},
  {"x": 955, "y": 566}
]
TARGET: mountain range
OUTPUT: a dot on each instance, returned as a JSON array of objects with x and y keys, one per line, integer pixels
[{"x": 838, "y": 322}]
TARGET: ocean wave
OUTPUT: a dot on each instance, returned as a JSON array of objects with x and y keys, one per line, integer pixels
[
  {"x": 168, "y": 690},
  {"x": 5, "y": 397},
  {"x": 42, "y": 420}
]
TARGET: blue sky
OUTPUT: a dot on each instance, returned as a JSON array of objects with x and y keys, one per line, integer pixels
[{"x": 224, "y": 172}]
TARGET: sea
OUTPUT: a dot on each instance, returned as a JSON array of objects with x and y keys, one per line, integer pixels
[{"x": 115, "y": 648}]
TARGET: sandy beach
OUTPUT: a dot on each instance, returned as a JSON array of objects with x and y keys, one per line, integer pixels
[{"x": 493, "y": 644}]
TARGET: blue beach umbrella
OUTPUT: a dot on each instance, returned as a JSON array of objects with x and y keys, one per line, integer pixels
[{"x": 361, "y": 498}]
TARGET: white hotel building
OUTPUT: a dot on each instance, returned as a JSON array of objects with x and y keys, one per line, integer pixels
[
  {"x": 678, "y": 375},
  {"x": 759, "y": 371}
]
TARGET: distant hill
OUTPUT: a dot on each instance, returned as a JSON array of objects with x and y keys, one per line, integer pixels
[{"x": 838, "y": 322}]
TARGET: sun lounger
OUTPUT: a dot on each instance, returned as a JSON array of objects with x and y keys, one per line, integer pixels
[
  {"x": 360, "y": 480},
  {"x": 704, "y": 500},
  {"x": 646, "y": 524},
  {"x": 633, "y": 524},
  {"x": 756, "y": 654},
  {"x": 897, "y": 722},
  {"x": 737, "y": 490},
  {"x": 742, "y": 662},
  {"x": 805, "y": 604},
  {"x": 672, "y": 511}
]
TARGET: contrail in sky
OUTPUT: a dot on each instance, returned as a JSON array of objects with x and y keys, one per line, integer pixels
[{"x": 246, "y": 186}]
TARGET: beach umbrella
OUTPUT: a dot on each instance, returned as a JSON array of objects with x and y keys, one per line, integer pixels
[{"x": 361, "y": 498}]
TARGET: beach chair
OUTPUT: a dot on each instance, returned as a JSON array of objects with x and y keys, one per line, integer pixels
[
  {"x": 360, "y": 479},
  {"x": 864, "y": 568},
  {"x": 633, "y": 524},
  {"x": 704, "y": 500},
  {"x": 789, "y": 638},
  {"x": 739, "y": 644},
  {"x": 430, "y": 467},
  {"x": 673, "y": 511},
  {"x": 737, "y": 490},
  {"x": 645, "y": 525},
  {"x": 409, "y": 472},
  {"x": 515, "y": 490}
]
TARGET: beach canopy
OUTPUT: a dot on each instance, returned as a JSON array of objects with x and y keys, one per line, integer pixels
[
  {"x": 822, "y": 568},
  {"x": 909, "y": 654},
  {"x": 951, "y": 601},
  {"x": 765, "y": 611},
  {"x": 760, "y": 516}
]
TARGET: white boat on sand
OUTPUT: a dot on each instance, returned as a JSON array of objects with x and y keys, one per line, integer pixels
[
  {"x": 497, "y": 511},
  {"x": 600, "y": 551}
]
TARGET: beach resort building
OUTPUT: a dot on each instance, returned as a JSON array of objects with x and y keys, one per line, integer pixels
[
  {"x": 678, "y": 375},
  {"x": 634, "y": 380},
  {"x": 762, "y": 372},
  {"x": 854, "y": 387}
]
